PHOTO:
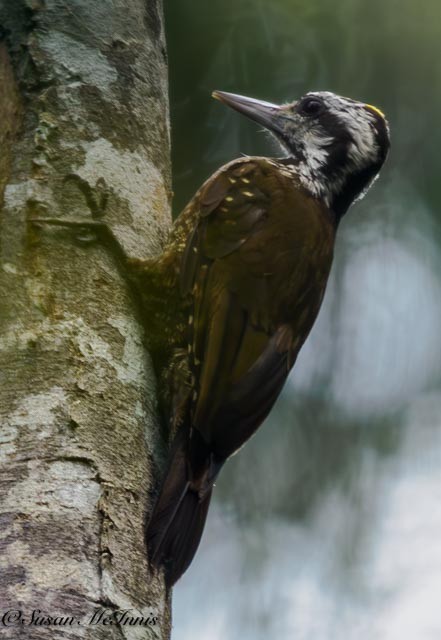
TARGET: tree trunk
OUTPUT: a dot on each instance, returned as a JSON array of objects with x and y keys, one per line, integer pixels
[{"x": 84, "y": 135}]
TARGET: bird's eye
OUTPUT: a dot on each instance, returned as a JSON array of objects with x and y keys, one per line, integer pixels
[{"x": 310, "y": 106}]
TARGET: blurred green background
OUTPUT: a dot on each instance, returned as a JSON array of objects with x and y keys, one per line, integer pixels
[{"x": 327, "y": 524}]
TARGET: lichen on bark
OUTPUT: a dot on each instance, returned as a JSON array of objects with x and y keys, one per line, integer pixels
[{"x": 84, "y": 134}]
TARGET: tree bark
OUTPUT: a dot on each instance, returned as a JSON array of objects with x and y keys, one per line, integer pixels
[{"x": 83, "y": 134}]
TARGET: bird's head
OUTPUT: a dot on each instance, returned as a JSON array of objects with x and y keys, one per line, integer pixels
[{"x": 337, "y": 145}]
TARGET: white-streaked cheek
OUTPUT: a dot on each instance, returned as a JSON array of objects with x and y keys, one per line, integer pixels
[
  {"x": 316, "y": 150},
  {"x": 358, "y": 123},
  {"x": 364, "y": 149}
]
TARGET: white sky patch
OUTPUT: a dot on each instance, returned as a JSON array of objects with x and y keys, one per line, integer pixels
[
  {"x": 378, "y": 332},
  {"x": 297, "y": 580},
  {"x": 389, "y": 324}
]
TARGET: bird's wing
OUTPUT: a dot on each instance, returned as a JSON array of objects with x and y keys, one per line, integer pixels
[
  {"x": 227, "y": 211},
  {"x": 239, "y": 359}
]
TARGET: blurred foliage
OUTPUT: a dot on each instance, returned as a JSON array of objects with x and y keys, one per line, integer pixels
[
  {"x": 376, "y": 350},
  {"x": 380, "y": 52}
]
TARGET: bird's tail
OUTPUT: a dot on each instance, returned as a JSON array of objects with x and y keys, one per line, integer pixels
[{"x": 178, "y": 518}]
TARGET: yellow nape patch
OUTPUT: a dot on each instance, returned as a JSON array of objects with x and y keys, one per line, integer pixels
[{"x": 375, "y": 110}]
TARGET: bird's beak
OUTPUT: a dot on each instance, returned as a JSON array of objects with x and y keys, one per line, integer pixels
[{"x": 265, "y": 113}]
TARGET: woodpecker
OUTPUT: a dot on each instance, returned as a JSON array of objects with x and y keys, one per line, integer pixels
[{"x": 248, "y": 261}]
